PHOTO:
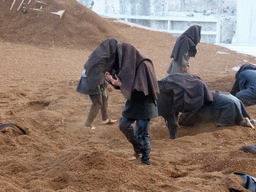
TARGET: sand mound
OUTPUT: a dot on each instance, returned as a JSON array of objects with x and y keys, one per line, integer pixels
[
  {"x": 55, "y": 152},
  {"x": 79, "y": 28}
]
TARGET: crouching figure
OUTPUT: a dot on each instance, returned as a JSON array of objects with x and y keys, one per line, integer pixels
[{"x": 185, "y": 99}]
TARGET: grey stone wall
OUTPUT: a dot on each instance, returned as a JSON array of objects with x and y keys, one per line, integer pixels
[{"x": 224, "y": 10}]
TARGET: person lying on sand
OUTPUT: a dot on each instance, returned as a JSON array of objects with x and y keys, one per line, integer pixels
[{"x": 189, "y": 95}]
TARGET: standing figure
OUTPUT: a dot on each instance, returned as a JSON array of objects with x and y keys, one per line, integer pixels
[
  {"x": 184, "y": 48},
  {"x": 244, "y": 87},
  {"x": 135, "y": 76},
  {"x": 93, "y": 83}
]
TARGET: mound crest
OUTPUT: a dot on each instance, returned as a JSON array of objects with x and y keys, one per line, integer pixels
[{"x": 80, "y": 27}]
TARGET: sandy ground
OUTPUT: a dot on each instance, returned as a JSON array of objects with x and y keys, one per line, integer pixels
[{"x": 57, "y": 153}]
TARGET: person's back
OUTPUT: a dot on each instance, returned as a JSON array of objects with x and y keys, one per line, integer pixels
[
  {"x": 180, "y": 92},
  {"x": 246, "y": 83},
  {"x": 244, "y": 87},
  {"x": 247, "y": 79}
]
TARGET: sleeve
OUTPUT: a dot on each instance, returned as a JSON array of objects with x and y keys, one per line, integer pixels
[
  {"x": 235, "y": 87},
  {"x": 105, "y": 83},
  {"x": 242, "y": 82}
]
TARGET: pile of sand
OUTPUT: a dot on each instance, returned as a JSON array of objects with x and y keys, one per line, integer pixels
[
  {"x": 79, "y": 28},
  {"x": 41, "y": 62}
]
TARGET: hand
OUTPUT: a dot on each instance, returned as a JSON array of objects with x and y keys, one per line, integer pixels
[
  {"x": 185, "y": 69},
  {"x": 116, "y": 82},
  {"x": 108, "y": 77}
]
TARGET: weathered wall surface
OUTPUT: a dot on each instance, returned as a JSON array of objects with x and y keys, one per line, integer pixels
[
  {"x": 246, "y": 22},
  {"x": 224, "y": 10},
  {"x": 162, "y": 7}
]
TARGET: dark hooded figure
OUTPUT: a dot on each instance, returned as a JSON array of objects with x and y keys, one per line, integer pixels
[
  {"x": 244, "y": 87},
  {"x": 134, "y": 74},
  {"x": 184, "y": 48},
  {"x": 93, "y": 83},
  {"x": 188, "y": 94},
  {"x": 181, "y": 92}
]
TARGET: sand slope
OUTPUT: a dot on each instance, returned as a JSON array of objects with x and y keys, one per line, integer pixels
[{"x": 41, "y": 62}]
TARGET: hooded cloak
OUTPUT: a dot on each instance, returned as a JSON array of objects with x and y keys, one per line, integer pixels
[
  {"x": 189, "y": 91},
  {"x": 186, "y": 43},
  {"x": 100, "y": 60},
  {"x": 136, "y": 72}
]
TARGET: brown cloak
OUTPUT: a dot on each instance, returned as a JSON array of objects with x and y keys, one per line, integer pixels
[
  {"x": 190, "y": 91},
  {"x": 136, "y": 72},
  {"x": 100, "y": 60},
  {"x": 187, "y": 42}
]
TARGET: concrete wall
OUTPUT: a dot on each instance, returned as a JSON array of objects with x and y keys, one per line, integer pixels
[
  {"x": 224, "y": 10},
  {"x": 246, "y": 22},
  {"x": 162, "y": 7}
]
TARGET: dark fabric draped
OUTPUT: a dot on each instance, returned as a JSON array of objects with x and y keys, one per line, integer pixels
[
  {"x": 189, "y": 91},
  {"x": 187, "y": 42},
  {"x": 136, "y": 72},
  {"x": 245, "y": 67},
  {"x": 100, "y": 60}
]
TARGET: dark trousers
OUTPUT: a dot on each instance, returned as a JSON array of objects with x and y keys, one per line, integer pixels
[
  {"x": 226, "y": 110},
  {"x": 139, "y": 138},
  {"x": 99, "y": 102}
]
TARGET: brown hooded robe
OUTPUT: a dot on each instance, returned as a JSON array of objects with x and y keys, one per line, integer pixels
[
  {"x": 100, "y": 60},
  {"x": 136, "y": 72}
]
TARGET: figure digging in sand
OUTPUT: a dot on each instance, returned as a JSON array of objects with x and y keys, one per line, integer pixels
[{"x": 189, "y": 95}]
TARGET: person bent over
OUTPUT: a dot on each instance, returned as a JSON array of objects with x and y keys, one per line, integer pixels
[{"x": 135, "y": 76}]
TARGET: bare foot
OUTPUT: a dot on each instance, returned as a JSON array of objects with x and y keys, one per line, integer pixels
[
  {"x": 109, "y": 121},
  {"x": 248, "y": 122},
  {"x": 134, "y": 157}
]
